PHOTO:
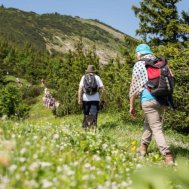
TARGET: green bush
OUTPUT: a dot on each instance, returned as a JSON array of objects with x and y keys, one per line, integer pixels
[
  {"x": 32, "y": 91},
  {"x": 11, "y": 103}
]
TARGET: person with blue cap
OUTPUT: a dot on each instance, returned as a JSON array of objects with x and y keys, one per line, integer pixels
[{"x": 151, "y": 107}]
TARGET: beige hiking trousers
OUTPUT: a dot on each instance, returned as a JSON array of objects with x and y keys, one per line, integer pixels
[{"x": 153, "y": 125}]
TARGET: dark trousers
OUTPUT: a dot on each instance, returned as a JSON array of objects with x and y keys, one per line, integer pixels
[{"x": 90, "y": 111}]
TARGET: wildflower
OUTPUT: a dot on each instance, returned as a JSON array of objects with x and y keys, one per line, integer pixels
[
  {"x": 23, "y": 169},
  {"x": 104, "y": 146},
  {"x": 134, "y": 142},
  {"x": 46, "y": 183},
  {"x": 108, "y": 183},
  {"x": 27, "y": 143},
  {"x": 133, "y": 149},
  {"x": 33, "y": 166},
  {"x": 55, "y": 136},
  {"x": 22, "y": 159},
  {"x": 45, "y": 164},
  {"x": 108, "y": 158},
  {"x": 87, "y": 165},
  {"x": 76, "y": 163},
  {"x": 127, "y": 169},
  {"x": 23, "y": 150},
  {"x": 96, "y": 158},
  {"x": 35, "y": 137},
  {"x": 124, "y": 184},
  {"x": 12, "y": 168},
  {"x": 138, "y": 166},
  {"x": 31, "y": 184},
  {"x": 85, "y": 177},
  {"x": 70, "y": 172},
  {"x": 35, "y": 156}
]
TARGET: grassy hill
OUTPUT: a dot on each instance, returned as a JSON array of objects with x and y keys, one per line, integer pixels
[
  {"x": 55, "y": 32},
  {"x": 48, "y": 152}
]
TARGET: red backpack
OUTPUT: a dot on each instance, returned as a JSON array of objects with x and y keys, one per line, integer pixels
[{"x": 160, "y": 79}]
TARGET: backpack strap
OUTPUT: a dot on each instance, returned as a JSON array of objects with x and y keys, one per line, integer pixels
[{"x": 156, "y": 63}]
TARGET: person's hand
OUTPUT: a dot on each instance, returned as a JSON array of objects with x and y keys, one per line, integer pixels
[
  {"x": 80, "y": 102},
  {"x": 132, "y": 111},
  {"x": 102, "y": 105}
]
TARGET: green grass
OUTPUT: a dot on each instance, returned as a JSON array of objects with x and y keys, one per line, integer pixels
[{"x": 49, "y": 152}]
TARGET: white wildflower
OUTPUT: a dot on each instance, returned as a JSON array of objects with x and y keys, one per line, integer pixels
[
  {"x": 27, "y": 143},
  {"x": 70, "y": 172},
  {"x": 23, "y": 169},
  {"x": 46, "y": 183},
  {"x": 87, "y": 165},
  {"x": 22, "y": 159},
  {"x": 108, "y": 183},
  {"x": 31, "y": 183},
  {"x": 127, "y": 169},
  {"x": 35, "y": 156},
  {"x": 85, "y": 177},
  {"x": 33, "y": 166},
  {"x": 12, "y": 168},
  {"x": 138, "y": 166},
  {"x": 59, "y": 169},
  {"x": 23, "y": 150},
  {"x": 104, "y": 146},
  {"x": 55, "y": 136},
  {"x": 96, "y": 158},
  {"x": 35, "y": 137},
  {"x": 108, "y": 158},
  {"x": 45, "y": 164},
  {"x": 76, "y": 163},
  {"x": 124, "y": 184}
]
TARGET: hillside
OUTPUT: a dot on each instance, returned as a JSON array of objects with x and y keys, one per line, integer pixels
[{"x": 55, "y": 32}]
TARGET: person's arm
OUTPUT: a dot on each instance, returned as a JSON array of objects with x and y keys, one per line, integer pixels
[
  {"x": 102, "y": 93},
  {"x": 80, "y": 92},
  {"x": 101, "y": 88},
  {"x": 80, "y": 95},
  {"x": 132, "y": 110}
]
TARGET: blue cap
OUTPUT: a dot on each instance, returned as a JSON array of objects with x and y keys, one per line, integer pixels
[{"x": 143, "y": 49}]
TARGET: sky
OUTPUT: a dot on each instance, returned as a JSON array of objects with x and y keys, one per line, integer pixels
[{"x": 116, "y": 13}]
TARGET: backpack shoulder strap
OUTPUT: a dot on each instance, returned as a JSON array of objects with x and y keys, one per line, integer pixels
[
  {"x": 148, "y": 62},
  {"x": 161, "y": 62},
  {"x": 156, "y": 63}
]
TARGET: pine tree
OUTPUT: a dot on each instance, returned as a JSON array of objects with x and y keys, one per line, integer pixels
[
  {"x": 184, "y": 27},
  {"x": 159, "y": 20}
]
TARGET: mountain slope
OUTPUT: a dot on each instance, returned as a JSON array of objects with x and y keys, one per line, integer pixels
[{"x": 56, "y": 32}]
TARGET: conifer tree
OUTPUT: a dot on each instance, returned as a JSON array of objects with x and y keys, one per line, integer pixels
[
  {"x": 184, "y": 27},
  {"x": 159, "y": 20}
]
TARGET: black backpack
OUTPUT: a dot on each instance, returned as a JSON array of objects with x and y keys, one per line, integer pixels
[
  {"x": 90, "y": 84},
  {"x": 160, "y": 80}
]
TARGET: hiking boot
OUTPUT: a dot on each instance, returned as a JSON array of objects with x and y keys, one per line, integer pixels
[
  {"x": 143, "y": 149},
  {"x": 169, "y": 159}
]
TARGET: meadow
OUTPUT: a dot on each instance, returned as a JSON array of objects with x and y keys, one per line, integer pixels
[{"x": 56, "y": 153}]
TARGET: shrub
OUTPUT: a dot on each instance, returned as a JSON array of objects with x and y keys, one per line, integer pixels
[{"x": 11, "y": 103}]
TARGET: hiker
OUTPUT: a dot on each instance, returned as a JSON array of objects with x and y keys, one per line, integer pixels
[
  {"x": 42, "y": 83},
  {"x": 89, "y": 98},
  {"x": 150, "y": 104}
]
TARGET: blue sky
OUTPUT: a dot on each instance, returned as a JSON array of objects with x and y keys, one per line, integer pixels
[{"x": 116, "y": 13}]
